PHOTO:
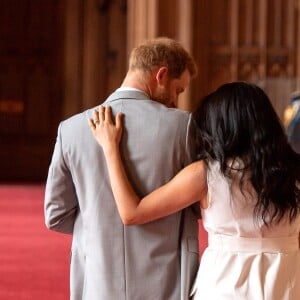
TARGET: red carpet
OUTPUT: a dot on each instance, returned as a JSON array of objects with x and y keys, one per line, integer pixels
[{"x": 34, "y": 262}]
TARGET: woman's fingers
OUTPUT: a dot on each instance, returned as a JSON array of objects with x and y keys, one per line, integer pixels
[
  {"x": 119, "y": 120},
  {"x": 101, "y": 113},
  {"x": 107, "y": 114},
  {"x": 106, "y": 129},
  {"x": 96, "y": 117},
  {"x": 104, "y": 115},
  {"x": 92, "y": 124}
]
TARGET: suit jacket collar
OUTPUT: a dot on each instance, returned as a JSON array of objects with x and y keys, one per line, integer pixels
[{"x": 127, "y": 95}]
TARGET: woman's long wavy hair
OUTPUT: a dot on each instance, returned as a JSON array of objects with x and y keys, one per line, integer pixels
[{"x": 238, "y": 121}]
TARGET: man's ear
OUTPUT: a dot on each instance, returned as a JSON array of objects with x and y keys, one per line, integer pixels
[{"x": 162, "y": 75}]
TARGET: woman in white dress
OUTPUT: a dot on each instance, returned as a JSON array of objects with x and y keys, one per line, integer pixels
[{"x": 247, "y": 183}]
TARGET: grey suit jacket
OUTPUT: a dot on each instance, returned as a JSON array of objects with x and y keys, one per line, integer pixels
[{"x": 155, "y": 261}]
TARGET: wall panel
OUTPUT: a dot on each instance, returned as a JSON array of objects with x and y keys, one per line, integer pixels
[
  {"x": 31, "y": 85},
  {"x": 254, "y": 40}
]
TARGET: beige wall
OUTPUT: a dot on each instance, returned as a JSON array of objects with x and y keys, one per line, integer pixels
[
  {"x": 59, "y": 57},
  {"x": 254, "y": 40}
]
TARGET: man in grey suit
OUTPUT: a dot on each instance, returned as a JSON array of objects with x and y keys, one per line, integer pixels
[{"x": 110, "y": 261}]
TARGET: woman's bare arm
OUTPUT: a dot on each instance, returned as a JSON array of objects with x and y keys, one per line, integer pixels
[{"x": 186, "y": 188}]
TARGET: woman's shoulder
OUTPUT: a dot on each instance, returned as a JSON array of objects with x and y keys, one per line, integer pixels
[
  {"x": 193, "y": 172},
  {"x": 197, "y": 166}
]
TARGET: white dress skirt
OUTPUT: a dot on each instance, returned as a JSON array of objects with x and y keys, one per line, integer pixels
[{"x": 245, "y": 259}]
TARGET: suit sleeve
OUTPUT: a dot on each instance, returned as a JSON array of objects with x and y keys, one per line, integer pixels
[
  {"x": 191, "y": 141},
  {"x": 60, "y": 205},
  {"x": 192, "y": 149},
  {"x": 189, "y": 228}
]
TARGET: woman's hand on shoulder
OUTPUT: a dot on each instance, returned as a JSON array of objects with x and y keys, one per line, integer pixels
[{"x": 105, "y": 129}]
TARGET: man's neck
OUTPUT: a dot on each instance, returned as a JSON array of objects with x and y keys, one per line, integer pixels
[{"x": 138, "y": 80}]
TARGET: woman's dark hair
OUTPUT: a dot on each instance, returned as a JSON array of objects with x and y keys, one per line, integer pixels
[{"x": 238, "y": 121}]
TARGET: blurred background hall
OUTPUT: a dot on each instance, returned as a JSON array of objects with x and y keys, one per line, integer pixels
[{"x": 59, "y": 57}]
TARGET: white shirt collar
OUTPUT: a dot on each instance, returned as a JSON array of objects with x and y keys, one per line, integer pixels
[{"x": 128, "y": 88}]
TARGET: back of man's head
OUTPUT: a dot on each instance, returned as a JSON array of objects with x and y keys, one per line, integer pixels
[{"x": 162, "y": 52}]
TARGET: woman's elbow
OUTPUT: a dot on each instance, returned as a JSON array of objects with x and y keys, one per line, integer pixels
[{"x": 129, "y": 220}]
